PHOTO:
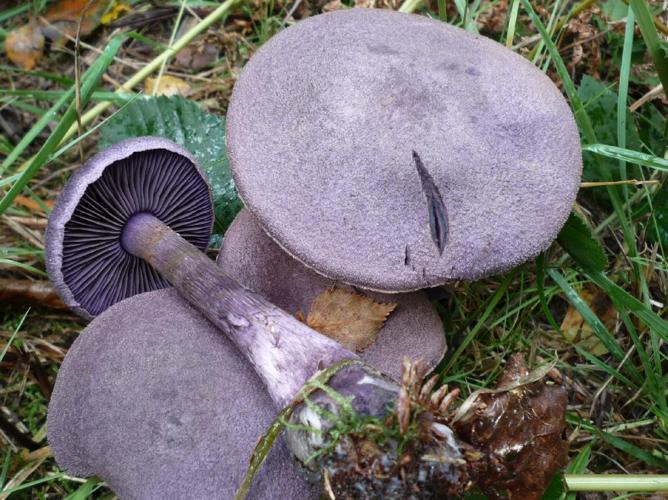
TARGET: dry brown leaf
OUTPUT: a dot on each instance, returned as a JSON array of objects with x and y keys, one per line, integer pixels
[
  {"x": 579, "y": 332},
  {"x": 167, "y": 86},
  {"x": 25, "y": 46},
  {"x": 32, "y": 205},
  {"x": 62, "y": 17},
  {"x": 351, "y": 319}
]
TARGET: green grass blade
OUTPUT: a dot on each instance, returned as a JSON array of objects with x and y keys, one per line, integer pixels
[
  {"x": 597, "y": 326},
  {"x": 36, "y": 129},
  {"x": 33, "y": 483},
  {"x": 578, "y": 466},
  {"x": 14, "y": 334},
  {"x": 605, "y": 367},
  {"x": 622, "y": 97},
  {"x": 51, "y": 95},
  {"x": 9, "y": 180},
  {"x": 540, "y": 287},
  {"x": 5, "y": 468},
  {"x": 491, "y": 304},
  {"x": 63, "y": 80},
  {"x": 89, "y": 83},
  {"x": 590, "y": 135},
  {"x": 631, "y": 449},
  {"x": 616, "y": 482},
  {"x": 86, "y": 489},
  {"x": 655, "y": 45},
  {"x": 512, "y": 23},
  {"x": 14, "y": 11},
  {"x": 622, "y": 298},
  {"x": 21, "y": 265},
  {"x": 627, "y": 155},
  {"x": 651, "y": 370}
]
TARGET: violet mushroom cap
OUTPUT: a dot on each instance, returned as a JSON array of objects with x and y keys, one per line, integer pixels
[
  {"x": 84, "y": 256},
  {"x": 413, "y": 329},
  {"x": 156, "y": 401},
  {"x": 395, "y": 152}
]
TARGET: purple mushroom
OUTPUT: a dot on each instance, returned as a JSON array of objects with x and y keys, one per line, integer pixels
[
  {"x": 154, "y": 400},
  {"x": 395, "y": 152}
]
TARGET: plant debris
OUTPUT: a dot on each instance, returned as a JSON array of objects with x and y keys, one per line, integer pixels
[
  {"x": 25, "y": 46},
  {"x": 518, "y": 429},
  {"x": 61, "y": 19},
  {"x": 578, "y": 331},
  {"x": 351, "y": 319},
  {"x": 167, "y": 85}
]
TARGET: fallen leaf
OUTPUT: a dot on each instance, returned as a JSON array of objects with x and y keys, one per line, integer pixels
[
  {"x": 25, "y": 45},
  {"x": 167, "y": 86},
  {"x": 578, "y": 331},
  {"x": 117, "y": 9},
  {"x": 518, "y": 428},
  {"x": 351, "y": 319},
  {"x": 62, "y": 17},
  {"x": 32, "y": 205}
]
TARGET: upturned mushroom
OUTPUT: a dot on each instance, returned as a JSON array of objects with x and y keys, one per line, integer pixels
[{"x": 119, "y": 186}]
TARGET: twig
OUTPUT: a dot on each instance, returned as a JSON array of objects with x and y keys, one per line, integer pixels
[
  {"x": 21, "y": 438},
  {"x": 652, "y": 94},
  {"x": 29, "y": 292}
]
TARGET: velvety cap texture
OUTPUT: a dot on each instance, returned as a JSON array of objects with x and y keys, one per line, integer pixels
[
  {"x": 396, "y": 152},
  {"x": 413, "y": 329},
  {"x": 158, "y": 403},
  {"x": 84, "y": 255}
]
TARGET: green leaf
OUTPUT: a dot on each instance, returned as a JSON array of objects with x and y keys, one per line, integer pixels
[
  {"x": 578, "y": 239},
  {"x": 201, "y": 133}
]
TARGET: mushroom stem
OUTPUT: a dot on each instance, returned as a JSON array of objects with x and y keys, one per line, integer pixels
[
  {"x": 356, "y": 400},
  {"x": 284, "y": 352}
]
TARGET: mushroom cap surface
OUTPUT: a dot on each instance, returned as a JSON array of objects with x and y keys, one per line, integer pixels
[
  {"x": 84, "y": 255},
  {"x": 413, "y": 329},
  {"x": 158, "y": 403},
  {"x": 322, "y": 128}
]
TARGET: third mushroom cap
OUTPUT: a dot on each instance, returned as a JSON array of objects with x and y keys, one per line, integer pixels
[{"x": 395, "y": 152}]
